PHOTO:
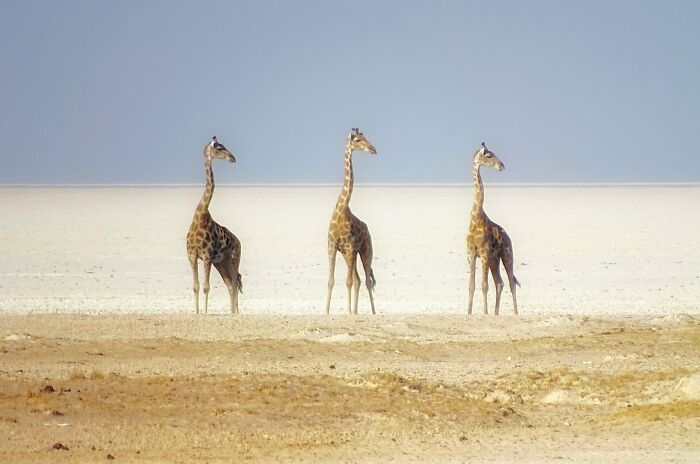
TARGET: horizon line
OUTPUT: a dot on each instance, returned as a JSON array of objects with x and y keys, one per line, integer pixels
[{"x": 364, "y": 184}]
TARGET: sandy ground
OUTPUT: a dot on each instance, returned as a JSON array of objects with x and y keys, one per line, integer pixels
[
  {"x": 100, "y": 355},
  {"x": 578, "y": 250},
  {"x": 410, "y": 388}
]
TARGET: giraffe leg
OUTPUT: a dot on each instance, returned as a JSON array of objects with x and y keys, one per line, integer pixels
[
  {"x": 225, "y": 269},
  {"x": 366, "y": 258},
  {"x": 331, "y": 277},
  {"x": 512, "y": 281},
  {"x": 207, "y": 271},
  {"x": 237, "y": 280},
  {"x": 351, "y": 261},
  {"x": 485, "y": 282},
  {"x": 471, "y": 256},
  {"x": 195, "y": 284},
  {"x": 498, "y": 282},
  {"x": 355, "y": 285}
]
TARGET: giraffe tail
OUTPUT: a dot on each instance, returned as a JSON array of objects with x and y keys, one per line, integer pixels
[
  {"x": 240, "y": 283},
  {"x": 517, "y": 282},
  {"x": 371, "y": 276}
]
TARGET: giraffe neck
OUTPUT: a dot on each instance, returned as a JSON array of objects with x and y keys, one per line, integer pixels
[
  {"x": 209, "y": 189},
  {"x": 478, "y": 207},
  {"x": 345, "y": 194}
]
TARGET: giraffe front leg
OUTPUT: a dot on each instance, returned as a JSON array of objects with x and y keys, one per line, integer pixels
[
  {"x": 350, "y": 259},
  {"x": 195, "y": 284},
  {"x": 331, "y": 277},
  {"x": 471, "y": 256},
  {"x": 485, "y": 283},
  {"x": 207, "y": 272}
]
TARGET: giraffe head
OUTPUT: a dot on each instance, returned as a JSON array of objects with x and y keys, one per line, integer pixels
[
  {"x": 216, "y": 150},
  {"x": 358, "y": 141},
  {"x": 485, "y": 157}
]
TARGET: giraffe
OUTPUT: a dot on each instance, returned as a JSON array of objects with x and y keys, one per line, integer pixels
[
  {"x": 211, "y": 242},
  {"x": 487, "y": 240},
  {"x": 348, "y": 235}
]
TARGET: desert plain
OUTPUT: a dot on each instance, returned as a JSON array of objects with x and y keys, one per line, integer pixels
[{"x": 101, "y": 358}]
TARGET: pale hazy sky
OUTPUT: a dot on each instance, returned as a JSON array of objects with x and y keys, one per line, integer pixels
[{"x": 563, "y": 91}]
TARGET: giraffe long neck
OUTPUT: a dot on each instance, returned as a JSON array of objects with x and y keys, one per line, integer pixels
[
  {"x": 209, "y": 189},
  {"x": 478, "y": 190},
  {"x": 345, "y": 194}
]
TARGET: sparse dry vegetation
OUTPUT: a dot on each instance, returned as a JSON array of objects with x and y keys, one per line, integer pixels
[{"x": 263, "y": 397}]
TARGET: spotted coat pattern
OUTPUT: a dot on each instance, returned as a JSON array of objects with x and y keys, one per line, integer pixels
[
  {"x": 349, "y": 235},
  {"x": 213, "y": 243},
  {"x": 487, "y": 240}
]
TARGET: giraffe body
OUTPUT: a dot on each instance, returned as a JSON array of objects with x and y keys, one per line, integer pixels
[
  {"x": 349, "y": 235},
  {"x": 213, "y": 243},
  {"x": 488, "y": 241}
]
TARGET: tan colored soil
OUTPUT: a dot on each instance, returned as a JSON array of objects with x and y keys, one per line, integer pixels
[{"x": 343, "y": 389}]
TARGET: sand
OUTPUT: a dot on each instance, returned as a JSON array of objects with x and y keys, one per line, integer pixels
[
  {"x": 101, "y": 356},
  {"x": 389, "y": 388}
]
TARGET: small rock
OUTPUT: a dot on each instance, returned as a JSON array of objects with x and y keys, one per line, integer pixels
[
  {"x": 109, "y": 456},
  {"x": 504, "y": 397},
  {"x": 48, "y": 389},
  {"x": 557, "y": 397},
  {"x": 689, "y": 387},
  {"x": 60, "y": 446},
  {"x": 332, "y": 366}
]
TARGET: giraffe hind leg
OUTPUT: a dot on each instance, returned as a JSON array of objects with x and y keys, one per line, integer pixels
[
  {"x": 512, "y": 280},
  {"x": 236, "y": 277},
  {"x": 355, "y": 286},
  {"x": 225, "y": 268},
  {"x": 370, "y": 281},
  {"x": 498, "y": 282}
]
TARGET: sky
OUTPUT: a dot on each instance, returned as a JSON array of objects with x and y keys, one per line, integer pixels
[{"x": 130, "y": 91}]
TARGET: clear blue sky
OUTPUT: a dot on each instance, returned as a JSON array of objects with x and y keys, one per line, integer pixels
[{"x": 130, "y": 91}]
